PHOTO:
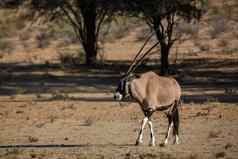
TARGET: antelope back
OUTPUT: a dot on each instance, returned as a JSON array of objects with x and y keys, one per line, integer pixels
[{"x": 154, "y": 90}]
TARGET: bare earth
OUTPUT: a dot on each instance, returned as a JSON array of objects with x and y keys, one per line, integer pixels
[
  {"x": 82, "y": 129},
  {"x": 62, "y": 114},
  {"x": 52, "y": 112}
]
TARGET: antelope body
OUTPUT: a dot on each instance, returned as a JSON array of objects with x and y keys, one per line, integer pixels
[{"x": 153, "y": 93}]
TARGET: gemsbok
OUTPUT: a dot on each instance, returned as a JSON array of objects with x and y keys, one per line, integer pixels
[{"x": 153, "y": 93}]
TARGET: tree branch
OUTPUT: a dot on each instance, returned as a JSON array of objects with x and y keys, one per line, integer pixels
[{"x": 101, "y": 19}]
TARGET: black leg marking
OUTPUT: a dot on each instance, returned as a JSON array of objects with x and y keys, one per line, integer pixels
[
  {"x": 176, "y": 120},
  {"x": 176, "y": 123},
  {"x": 169, "y": 123},
  {"x": 148, "y": 112}
]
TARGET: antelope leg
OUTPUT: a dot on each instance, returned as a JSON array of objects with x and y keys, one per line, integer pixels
[
  {"x": 152, "y": 137},
  {"x": 170, "y": 126},
  {"x": 176, "y": 126},
  {"x": 140, "y": 136}
]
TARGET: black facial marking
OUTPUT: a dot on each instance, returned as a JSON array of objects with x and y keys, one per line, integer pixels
[{"x": 121, "y": 86}]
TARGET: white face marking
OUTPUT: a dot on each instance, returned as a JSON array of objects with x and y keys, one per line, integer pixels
[{"x": 118, "y": 96}]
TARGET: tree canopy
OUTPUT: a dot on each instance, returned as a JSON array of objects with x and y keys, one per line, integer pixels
[
  {"x": 87, "y": 16},
  {"x": 162, "y": 16}
]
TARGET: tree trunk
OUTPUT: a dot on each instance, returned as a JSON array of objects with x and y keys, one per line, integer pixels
[
  {"x": 91, "y": 53},
  {"x": 164, "y": 47},
  {"x": 90, "y": 39},
  {"x": 164, "y": 59}
]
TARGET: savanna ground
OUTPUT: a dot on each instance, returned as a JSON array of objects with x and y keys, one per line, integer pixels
[
  {"x": 55, "y": 112},
  {"x": 52, "y": 110}
]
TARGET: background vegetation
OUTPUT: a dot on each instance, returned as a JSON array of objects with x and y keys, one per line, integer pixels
[{"x": 27, "y": 26}]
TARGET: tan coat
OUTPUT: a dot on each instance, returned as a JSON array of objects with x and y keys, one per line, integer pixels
[{"x": 153, "y": 91}]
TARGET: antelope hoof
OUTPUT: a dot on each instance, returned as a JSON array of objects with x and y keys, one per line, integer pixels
[
  {"x": 166, "y": 141},
  {"x": 152, "y": 144},
  {"x": 138, "y": 142},
  {"x": 162, "y": 145},
  {"x": 177, "y": 141}
]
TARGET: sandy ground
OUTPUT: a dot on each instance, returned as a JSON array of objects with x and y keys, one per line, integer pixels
[
  {"x": 91, "y": 129},
  {"x": 71, "y": 114},
  {"x": 51, "y": 112}
]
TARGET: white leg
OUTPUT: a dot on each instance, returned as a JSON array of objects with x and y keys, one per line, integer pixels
[
  {"x": 168, "y": 133},
  {"x": 140, "y": 137},
  {"x": 152, "y": 137},
  {"x": 177, "y": 140}
]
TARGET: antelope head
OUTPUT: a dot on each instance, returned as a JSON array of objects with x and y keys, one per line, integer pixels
[{"x": 122, "y": 90}]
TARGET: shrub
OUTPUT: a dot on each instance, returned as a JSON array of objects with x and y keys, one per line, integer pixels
[
  {"x": 117, "y": 28},
  {"x": 6, "y": 46},
  {"x": 187, "y": 28},
  {"x": 141, "y": 36},
  {"x": 88, "y": 121},
  {"x": 223, "y": 43},
  {"x": 32, "y": 139},
  {"x": 214, "y": 134},
  {"x": 220, "y": 155},
  {"x": 69, "y": 57},
  {"x": 42, "y": 41},
  {"x": 218, "y": 25},
  {"x": 10, "y": 23}
]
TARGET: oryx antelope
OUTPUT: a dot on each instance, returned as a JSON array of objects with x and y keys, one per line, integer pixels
[{"x": 153, "y": 93}]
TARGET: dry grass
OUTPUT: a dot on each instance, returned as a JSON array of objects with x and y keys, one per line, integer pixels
[
  {"x": 6, "y": 46},
  {"x": 10, "y": 153},
  {"x": 52, "y": 118},
  {"x": 57, "y": 95},
  {"x": 32, "y": 139},
  {"x": 96, "y": 125},
  {"x": 71, "y": 57},
  {"x": 214, "y": 134},
  {"x": 88, "y": 121},
  {"x": 218, "y": 26},
  {"x": 220, "y": 155}
]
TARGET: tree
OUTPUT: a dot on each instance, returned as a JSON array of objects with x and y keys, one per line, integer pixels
[
  {"x": 85, "y": 16},
  {"x": 10, "y": 3},
  {"x": 162, "y": 16}
]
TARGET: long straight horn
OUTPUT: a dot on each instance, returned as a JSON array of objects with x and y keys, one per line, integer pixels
[
  {"x": 142, "y": 58},
  {"x": 138, "y": 53}
]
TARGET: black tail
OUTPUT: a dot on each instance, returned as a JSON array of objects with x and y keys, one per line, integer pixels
[
  {"x": 179, "y": 103},
  {"x": 175, "y": 116}
]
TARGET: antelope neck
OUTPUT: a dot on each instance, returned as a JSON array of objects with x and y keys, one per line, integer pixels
[{"x": 128, "y": 88}]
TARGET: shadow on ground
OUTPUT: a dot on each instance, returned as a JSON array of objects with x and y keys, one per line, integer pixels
[
  {"x": 194, "y": 75},
  {"x": 61, "y": 145}
]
